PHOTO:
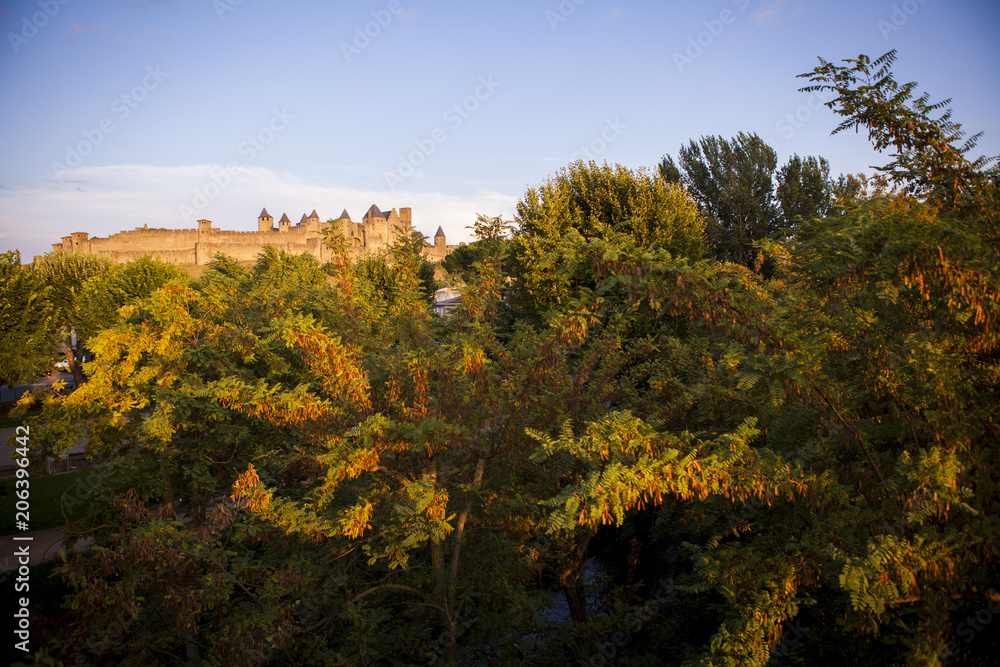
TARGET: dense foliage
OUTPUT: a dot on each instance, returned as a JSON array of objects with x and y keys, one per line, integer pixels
[
  {"x": 744, "y": 198},
  {"x": 617, "y": 449},
  {"x": 26, "y": 322}
]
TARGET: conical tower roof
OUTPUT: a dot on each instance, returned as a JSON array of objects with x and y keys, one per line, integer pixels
[
  {"x": 344, "y": 215},
  {"x": 264, "y": 214},
  {"x": 439, "y": 232},
  {"x": 284, "y": 218},
  {"x": 313, "y": 214}
]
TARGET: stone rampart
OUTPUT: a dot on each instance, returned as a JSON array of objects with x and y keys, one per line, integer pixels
[{"x": 200, "y": 245}]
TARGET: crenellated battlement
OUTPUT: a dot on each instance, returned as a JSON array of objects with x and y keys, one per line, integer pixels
[{"x": 376, "y": 231}]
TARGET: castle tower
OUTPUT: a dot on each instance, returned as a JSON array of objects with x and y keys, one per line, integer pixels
[
  {"x": 284, "y": 224},
  {"x": 439, "y": 239},
  {"x": 204, "y": 229},
  {"x": 406, "y": 216},
  {"x": 203, "y": 246},
  {"x": 394, "y": 226},
  {"x": 376, "y": 228},
  {"x": 265, "y": 222},
  {"x": 78, "y": 242},
  {"x": 311, "y": 222}
]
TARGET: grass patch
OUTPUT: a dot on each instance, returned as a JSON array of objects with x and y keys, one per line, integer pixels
[
  {"x": 6, "y": 421},
  {"x": 45, "y": 492}
]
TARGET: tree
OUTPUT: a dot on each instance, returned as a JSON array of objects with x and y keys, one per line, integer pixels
[
  {"x": 668, "y": 170},
  {"x": 929, "y": 161},
  {"x": 408, "y": 248},
  {"x": 745, "y": 200},
  {"x": 27, "y": 329},
  {"x": 304, "y": 471},
  {"x": 804, "y": 189},
  {"x": 103, "y": 294},
  {"x": 587, "y": 201},
  {"x": 158, "y": 410},
  {"x": 65, "y": 275},
  {"x": 492, "y": 242},
  {"x": 732, "y": 181}
]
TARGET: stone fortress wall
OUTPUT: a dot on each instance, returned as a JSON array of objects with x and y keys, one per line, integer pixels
[{"x": 375, "y": 232}]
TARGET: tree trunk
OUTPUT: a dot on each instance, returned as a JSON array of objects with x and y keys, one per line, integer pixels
[
  {"x": 199, "y": 511},
  {"x": 191, "y": 650},
  {"x": 441, "y": 581},
  {"x": 74, "y": 367},
  {"x": 576, "y": 596},
  {"x": 168, "y": 488}
]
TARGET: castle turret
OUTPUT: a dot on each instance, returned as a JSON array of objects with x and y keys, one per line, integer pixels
[
  {"x": 311, "y": 222},
  {"x": 376, "y": 228},
  {"x": 203, "y": 246},
  {"x": 78, "y": 242},
  {"x": 265, "y": 222},
  {"x": 439, "y": 239},
  {"x": 284, "y": 224}
]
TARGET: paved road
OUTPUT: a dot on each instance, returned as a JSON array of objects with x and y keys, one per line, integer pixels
[
  {"x": 8, "y": 395},
  {"x": 44, "y": 545}
]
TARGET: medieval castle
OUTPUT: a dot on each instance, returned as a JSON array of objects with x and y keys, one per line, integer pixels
[{"x": 377, "y": 230}]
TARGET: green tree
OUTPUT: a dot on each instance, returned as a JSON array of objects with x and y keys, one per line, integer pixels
[
  {"x": 929, "y": 160},
  {"x": 158, "y": 410},
  {"x": 303, "y": 470},
  {"x": 103, "y": 294},
  {"x": 492, "y": 241},
  {"x": 27, "y": 329},
  {"x": 669, "y": 171},
  {"x": 804, "y": 189},
  {"x": 65, "y": 275},
  {"x": 585, "y": 201},
  {"x": 745, "y": 200},
  {"x": 733, "y": 183},
  {"x": 460, "y": 262}
]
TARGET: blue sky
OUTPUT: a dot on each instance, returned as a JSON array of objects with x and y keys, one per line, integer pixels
[{"x": 120, "y": 113}]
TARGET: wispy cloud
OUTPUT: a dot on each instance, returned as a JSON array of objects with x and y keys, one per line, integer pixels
[
  {"x": 770, "y": 13},
  {"x": 78, "y": 29}
]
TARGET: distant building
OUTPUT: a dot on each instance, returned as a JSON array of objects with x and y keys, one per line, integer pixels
[
  {"x": 377, "y": 230},
  {"x": 446, "y": 300}
]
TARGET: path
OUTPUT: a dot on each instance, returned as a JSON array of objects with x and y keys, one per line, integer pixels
[{"x": 44, "y": 545}]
